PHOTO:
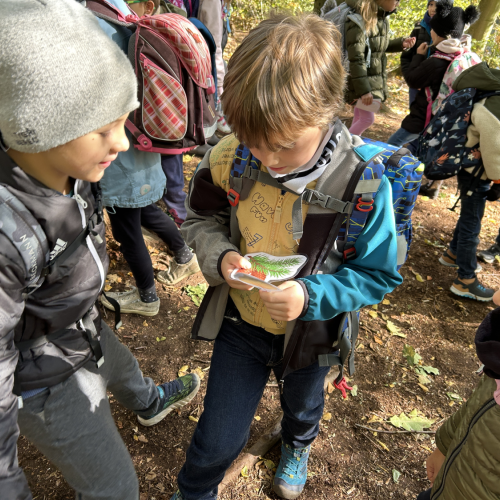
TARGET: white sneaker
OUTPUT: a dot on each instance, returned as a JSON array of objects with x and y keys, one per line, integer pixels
[
  {"x": 222, "y": 125},
  {"x": 130, "y": 302}
]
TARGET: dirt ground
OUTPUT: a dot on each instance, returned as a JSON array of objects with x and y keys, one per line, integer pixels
[{"x": 347, "y": 461}]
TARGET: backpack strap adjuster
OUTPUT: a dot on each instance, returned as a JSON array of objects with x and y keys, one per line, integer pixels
[
  {"x": 367, "y": 204},
  {"x": 349, "y": 254},
  {"x": 233, "y": 197}
]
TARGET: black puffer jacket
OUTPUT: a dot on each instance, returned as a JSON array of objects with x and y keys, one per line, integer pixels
[
  {"x": 422, "y": 36},
  {"x": 66, "y": 295},
  {"x": 363, "y": 79},
  {"x": 423, "y": 72}
]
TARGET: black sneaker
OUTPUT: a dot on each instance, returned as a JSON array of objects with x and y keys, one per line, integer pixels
[
  {"x": 473, "y": 290},
  {"x": 489, "y": 255},
  {"x": 447, "y": 260},
  {"x": 173, "y": 395}
]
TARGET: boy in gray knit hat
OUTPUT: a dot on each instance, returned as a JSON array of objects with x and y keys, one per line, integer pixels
[{"x": 66, "y": 90}]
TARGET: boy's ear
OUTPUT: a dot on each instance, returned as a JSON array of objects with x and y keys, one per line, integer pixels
[{"x": 150, "y": 8}]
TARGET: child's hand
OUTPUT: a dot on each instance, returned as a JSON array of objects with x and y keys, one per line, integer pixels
[
  {"x": 230, "y": 262},
  {"x": 367, "y": 99},
  {"x": 286, "y": 305},
  {"x": 434, "y": 463},
  {"x": 422, "y": 49},
  {"x": 408, "y": 43}
]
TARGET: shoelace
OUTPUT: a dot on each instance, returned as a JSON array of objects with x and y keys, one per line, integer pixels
[{"x": 293, "y": 462}]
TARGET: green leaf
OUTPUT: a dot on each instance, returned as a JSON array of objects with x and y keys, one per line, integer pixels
[
  {"x": 454, "y": 396},
  {"x": 396, "y": 475},
  {"x": 196, "y": 292},
  {"x": 424, "y": 379},
  {"x": 244, "y": 471},
  {"x": 431, "y": 369},
  {"x": 269, "y": 464},
  {"x": 410, "y": 423},
  {"x": 411, "y": 356},
  {"x": 394, "y": 330},
  {"x": 354, "y": 390}
]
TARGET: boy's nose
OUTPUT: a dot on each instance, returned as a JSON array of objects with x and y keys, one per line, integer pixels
[{"x": 121, "y": 143}]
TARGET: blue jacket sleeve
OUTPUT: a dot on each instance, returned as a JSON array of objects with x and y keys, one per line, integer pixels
[{"x": 367, "y": 278}]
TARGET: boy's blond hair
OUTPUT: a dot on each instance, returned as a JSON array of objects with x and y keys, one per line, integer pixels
[{"x": 286, "y": 76}]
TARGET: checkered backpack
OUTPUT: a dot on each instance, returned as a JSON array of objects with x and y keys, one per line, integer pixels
[{"x": 176, "y": 88}]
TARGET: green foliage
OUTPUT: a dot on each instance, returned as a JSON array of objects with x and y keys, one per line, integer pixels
[
  {"x": 248, "y": 13},
  {"x": 411, "y": 422},
  {"x": 274, "y": 268},
  {"x": 196, "y": 292}
]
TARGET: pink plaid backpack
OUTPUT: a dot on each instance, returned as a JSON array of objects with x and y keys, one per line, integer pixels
[{"x": 176, "y": 87}]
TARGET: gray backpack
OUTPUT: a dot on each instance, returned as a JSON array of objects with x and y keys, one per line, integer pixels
[{"x": 338, "y": 15}]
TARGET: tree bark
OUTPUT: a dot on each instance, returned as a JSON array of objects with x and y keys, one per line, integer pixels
[{"x": 481, "y": 29}]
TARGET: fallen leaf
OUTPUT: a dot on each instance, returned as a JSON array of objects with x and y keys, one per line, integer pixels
[
  {"x": 394, "y": 329},
  {"x": 373, "y": 314},
  {"x": 419, "y": 278},
  {"x": 244, "y": 471},
  {"x": 327, "y": 416},
  {"x": 382, "y": 444},
  {"x": 424, "y": 379},
  {"x": 257, "y": 418},
  {"x": 378, "y": 340},
  {"x": 269, "y": 464},
  {"x": 396, "y": 475},
  {"x": 193, "y": 419},
  {"x": 354, "y": 391},
  {"x": 454, "y": 396},
  {"x": 186, "y": 308},
  {"x": 386, "y": 302},
  {"x": 160, "y": 339},
  {"x": 113, "y": 278},
  {"x": 430, "y": 369},
  {"x": 199, "y": 372},
  {"x": 384, "y": 317},
  {"x": 330, "y": 388},
  {"x": 144, "y": 323},
  {"x": 150, "y": 476},
  {"x": 107, "y": 288},
  {"x": 413, "y": 423},
  {"x": 375, "y": 307},
  {"x": 425, "y": 389},
  {"x": 429, "y": 278},
  {"x": 183, "y": 371},
  {"x": 196, "y": 292},
  {"x": 142, "y": 439},
  {"x": 374, "y": 418},
  {"x": 411, "y": 356}
]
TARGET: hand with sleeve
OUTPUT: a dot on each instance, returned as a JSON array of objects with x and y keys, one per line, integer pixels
[{"x": 494, "y": 193}]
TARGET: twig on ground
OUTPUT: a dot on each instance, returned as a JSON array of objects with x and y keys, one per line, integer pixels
[
  {"x": 394, "y": 432},
  {"x": 202, "y": 361}
]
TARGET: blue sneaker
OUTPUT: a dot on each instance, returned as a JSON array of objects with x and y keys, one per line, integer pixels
[
  {"x": 474, "y": 290},
  {"x": 173, "y": 395},
  {"x": 291, "y": 475},
  {"x": 177, "y": 496}
]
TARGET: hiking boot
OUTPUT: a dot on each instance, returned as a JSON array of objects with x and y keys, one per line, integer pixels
[
  {"x": 177, "y": 272},
  {"x": 449, "y": 261},
  {"x": 173, "y": 395},
  {"x": 291, "y": 475},
  {"x": 472, "y": 290},
  {"x": 172, "y": 213},
  {"x": 130, "y": 302},
  {"x": 489, "y": 255}
]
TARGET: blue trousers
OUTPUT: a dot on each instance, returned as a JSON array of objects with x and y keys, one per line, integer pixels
[
  {"x": 242, "y": 360},
  {"x": 174, "y": 196},
  {"x": 466, "y": 235},
  {"x": 401, "y": 136}
]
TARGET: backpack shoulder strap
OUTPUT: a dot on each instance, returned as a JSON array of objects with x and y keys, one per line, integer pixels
[
  {"x": 27, "y": 236},
  {"x": 108, "y": 12}
]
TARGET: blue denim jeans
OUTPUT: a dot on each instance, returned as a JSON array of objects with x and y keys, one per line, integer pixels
[
  {"x": 466, "y": 236},
  {"x": 174, "y": 196},
  {"x": 242, "y": 360},
  {"x": 401, "y": 136}
]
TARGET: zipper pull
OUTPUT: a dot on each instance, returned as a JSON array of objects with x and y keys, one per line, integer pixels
[
  {"x": 281, "y": 383},
  {"x": 80, "y": 201},
  {"x": 277, "y": 211}
]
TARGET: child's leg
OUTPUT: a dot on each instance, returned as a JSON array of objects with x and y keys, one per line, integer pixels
[
  {"x": 72, "y": 425},
  {"x": 174, "y": 196},
  {"x": 302, "y": 402},
  {"x": 362, "y": 120},
  {"x": 401, "y": 136},
  {"x": 239, "y": 370}
]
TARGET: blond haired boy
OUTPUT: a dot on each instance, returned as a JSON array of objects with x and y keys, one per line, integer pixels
[{"x": 282, "y": 91}]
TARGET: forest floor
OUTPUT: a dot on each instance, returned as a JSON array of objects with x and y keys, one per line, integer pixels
[{"x": 347, "y": 461}]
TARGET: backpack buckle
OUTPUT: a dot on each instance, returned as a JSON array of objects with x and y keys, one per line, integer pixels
[
  {"x": 342, "y": 387},
  {"x": 233, "y": 197},
  {"x": 349, "y": 254},
  {"x": 367, "y": 204}
]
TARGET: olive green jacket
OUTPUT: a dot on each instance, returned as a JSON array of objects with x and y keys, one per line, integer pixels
[
  {"x": 363, "y": 79},
  {"x": 470, "y": 440}
]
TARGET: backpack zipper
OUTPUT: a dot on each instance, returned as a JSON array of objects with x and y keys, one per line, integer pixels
[{"x": 487, "y": 406}]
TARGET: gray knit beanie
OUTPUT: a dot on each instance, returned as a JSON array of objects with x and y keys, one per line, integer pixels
[{"x": 61, "y": 77}]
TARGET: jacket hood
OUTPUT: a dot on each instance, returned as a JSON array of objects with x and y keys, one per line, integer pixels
[
  {"x": 488, "y": 343},
  {"x": 479, "y": 76}
]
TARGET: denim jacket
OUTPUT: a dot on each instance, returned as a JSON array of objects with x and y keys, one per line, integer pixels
[{"x": 135, "y": 179}]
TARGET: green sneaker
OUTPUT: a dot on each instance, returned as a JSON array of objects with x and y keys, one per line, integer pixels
[
  {"x": 130, "y": 302},
  {"x": 177, "y": 272},
  {"x": 173, "y": 395}
]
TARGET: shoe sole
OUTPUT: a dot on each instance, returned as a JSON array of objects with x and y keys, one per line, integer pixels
[
  {"x": 124, "y": 310},
  {"x": 469, "y": 295},
  {"x": 175, "y": 406},
  {"x": 447, "y": 264},
  {"x": 284, "y": 493},
  {"x": 166, "y": 283},
  {"x": 487, "y": 260}
]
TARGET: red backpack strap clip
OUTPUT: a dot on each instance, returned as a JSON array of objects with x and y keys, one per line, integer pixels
[{"x": 342, "y": 387}]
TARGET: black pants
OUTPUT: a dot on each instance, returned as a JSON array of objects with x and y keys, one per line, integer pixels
[{"x": 126, "y": 226}]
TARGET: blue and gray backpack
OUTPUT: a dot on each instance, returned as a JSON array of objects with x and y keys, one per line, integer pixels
[{"x": 377, "y": 159}]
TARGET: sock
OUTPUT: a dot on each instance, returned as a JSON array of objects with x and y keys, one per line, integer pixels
[
  {"x": 183, "y": 256},
  {"x": 148, "y": 295}
]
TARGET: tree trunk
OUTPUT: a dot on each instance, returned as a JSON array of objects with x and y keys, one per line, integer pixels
[
  {"x": 318, "y": 4},
  {"x": 481, "y": 29}
]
